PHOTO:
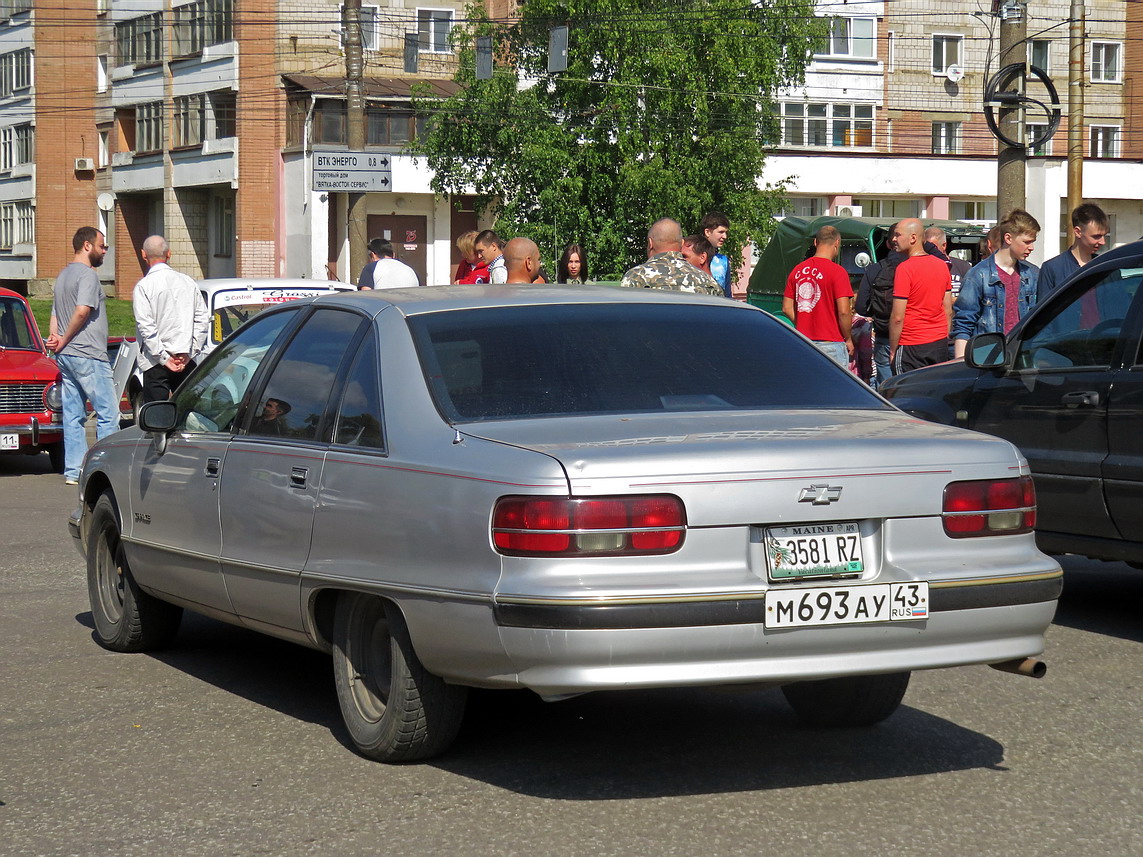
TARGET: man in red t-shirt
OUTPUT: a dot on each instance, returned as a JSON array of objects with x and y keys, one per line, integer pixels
[
  {"x": 922, "y": 302},
  {"x": 819, "y": 298}
]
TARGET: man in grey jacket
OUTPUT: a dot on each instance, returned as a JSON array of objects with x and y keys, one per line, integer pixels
[{"x": 172, "y": 320}]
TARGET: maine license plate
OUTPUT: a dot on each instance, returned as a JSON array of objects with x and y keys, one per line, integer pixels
[
  {"x": 9, "y": 441},
  {"x": 813, "y": 550},
  {"x": 847, "y": 605}
]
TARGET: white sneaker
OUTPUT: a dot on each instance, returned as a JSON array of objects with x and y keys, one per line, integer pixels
[{"x": 71, "y": 481}]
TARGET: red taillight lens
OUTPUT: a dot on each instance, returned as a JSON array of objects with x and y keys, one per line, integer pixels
[
  {"x": 593, "y": 526},
  {"x": 990, "y": 507}
]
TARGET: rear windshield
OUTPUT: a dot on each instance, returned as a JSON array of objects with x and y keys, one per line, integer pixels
[{"x": 537, "y": 361}]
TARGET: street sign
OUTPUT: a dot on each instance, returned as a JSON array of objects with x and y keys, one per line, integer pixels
[{"x": 352, "y": 172}]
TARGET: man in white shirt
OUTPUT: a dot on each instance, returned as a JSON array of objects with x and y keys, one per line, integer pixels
[
  {"x": 490, "y": 249},
  {"x": 390, "y": 273},
  {"x": 172, "y": 321}
]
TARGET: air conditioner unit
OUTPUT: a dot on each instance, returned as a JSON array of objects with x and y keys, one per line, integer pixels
[
  {"x": 84, "y": 165},
  {"x": 847, "y": 211}
]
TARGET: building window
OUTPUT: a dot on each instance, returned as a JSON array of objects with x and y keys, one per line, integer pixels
[
  {"x": 803, "y": 206},
  {"x": 200, "y": 24},
  {"x": 836, "y": 125},
  {"x": 973, "y": 210},
  {"x": 149, "y": 127},
  {"x": 851, "y": 37},
  {"x": 101, "y": 79},
  {"x": 297, "y": 111},
  {"x": 224, "y": 114},
  {"x": 104, "y": 149},
  {"x": 15, "y": 71},
  {"x": 329, "y": 125},
  {"x": 1105, "y": 65},
  {"x": 946, "y": 138},
  {"x": 17, "y": 224},
  {"x": 895, "y": 208},
  {"x": 17, "y": 146},
  {"x": 1039, "y": 54},
  {"x": 947, "y": 51},
  {"x": 1104, "y": 141},
  {"x": 370, "y": 17},
  {"x": 224, "y": 226},
  {"x": 8, "y": 8},
  {"x": 1031, "y": 129},
  {"x": 190, "y": 121},
  {"x": 139, "y": 40},
  {"x": 433, "y": 26}
]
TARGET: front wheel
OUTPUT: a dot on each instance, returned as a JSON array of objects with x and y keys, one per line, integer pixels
[
  {"x": 395, "y": 709},
  {"x": 126, "y": 618},
  {"x": 859, "y": 700}
]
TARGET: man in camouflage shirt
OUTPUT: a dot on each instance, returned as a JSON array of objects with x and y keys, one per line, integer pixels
[{"x": 666, "y": 267}]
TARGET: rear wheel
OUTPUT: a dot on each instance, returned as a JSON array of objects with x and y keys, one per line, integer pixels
[
  {"x": 126, "y": 618},
  {"x": 859, "y": 700},
  {"x": 395, "y": 709}
]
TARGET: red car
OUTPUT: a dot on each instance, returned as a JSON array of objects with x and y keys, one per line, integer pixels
[{"x": 31, "y": 400}]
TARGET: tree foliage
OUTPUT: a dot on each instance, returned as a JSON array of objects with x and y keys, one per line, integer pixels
[{"x": 664, "y": 111}]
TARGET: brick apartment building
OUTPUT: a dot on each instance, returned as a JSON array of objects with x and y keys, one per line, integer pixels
[
  {"x": 198, "y": 119},
  {"x": 890, "y": 120}
]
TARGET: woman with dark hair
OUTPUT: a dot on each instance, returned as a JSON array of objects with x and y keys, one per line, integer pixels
[{"x": 573, "y": 265}]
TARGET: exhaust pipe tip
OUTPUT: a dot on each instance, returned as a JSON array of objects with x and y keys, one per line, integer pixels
[{"x": 1032, "y": 667}]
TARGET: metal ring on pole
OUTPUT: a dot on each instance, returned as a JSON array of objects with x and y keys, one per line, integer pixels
[{"x": 996, "y": 95}]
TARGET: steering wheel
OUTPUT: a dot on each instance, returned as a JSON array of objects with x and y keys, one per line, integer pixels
[{"x": 1098, "y": 353}]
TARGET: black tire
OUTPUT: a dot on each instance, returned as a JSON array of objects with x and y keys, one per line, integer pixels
[
  {"x": 859, "y": 700},
  {"x": 395, "y": 709},
  {"x": 136, "y": 403},
  {"x": 126, "y": 618},
  {"x": 56, "y": 457}
]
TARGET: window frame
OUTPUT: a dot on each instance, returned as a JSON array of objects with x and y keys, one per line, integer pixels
[
  {"x": 947, "y": 38},
  {"x": 1101, "y": 46},
  {"x": 426, "y": 38},
  {"x": 1115, "y": 132},
  {"x": 850, "y": 38},
  {"x": 1047, "y": 49},
  {"x": 149, "y": 123},
  {"x": 826, "y": 120},
  {"x": 139, "y": 41},
  {"x": 946, "y": 139}
]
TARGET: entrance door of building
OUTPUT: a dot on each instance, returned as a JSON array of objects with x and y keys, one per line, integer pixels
[{"x": 409, "y": 234}]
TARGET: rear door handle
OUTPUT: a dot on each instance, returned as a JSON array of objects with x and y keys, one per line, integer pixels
[
  {"x": 298, "y": 476},
  {"x": 213, "y": 466},
  {"x": 1084, "y": 398}
]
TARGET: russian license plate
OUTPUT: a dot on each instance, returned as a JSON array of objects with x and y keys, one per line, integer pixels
[
  {"x": 9, "y": 441},
  {"x": 813, "y": 550},
  {"x": 847, "y": 605}
]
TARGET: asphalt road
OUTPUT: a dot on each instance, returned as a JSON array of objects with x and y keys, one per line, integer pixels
[{"x": 230, "y": 744}]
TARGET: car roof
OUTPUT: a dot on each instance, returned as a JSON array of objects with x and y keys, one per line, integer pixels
[
  {"x": 428, "y": 299},
  {"x": 8, "y": 293},
  {"x": 260, "y": 283}
]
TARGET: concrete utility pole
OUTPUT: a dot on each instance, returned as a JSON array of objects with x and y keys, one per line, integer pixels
[
  {"x": 355, "y": 115},
  {"x": 1010, "y": 161},
  {"x": 1075, "y": 105}
]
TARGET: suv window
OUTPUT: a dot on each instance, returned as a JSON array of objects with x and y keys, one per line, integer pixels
[
  {"x": 533, "y": 361},
  {"x": 212, "y": 401},
  {"x": 1081, "y": 329},
  {"x": 295, "y": 397}
]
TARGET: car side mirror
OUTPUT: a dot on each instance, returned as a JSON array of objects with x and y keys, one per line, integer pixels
[
  {"x": 985, "y": 351},
  {"x": 158, "y": 417}
]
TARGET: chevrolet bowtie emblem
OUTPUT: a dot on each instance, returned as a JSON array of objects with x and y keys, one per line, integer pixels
[{"x": 820, "y": 495}]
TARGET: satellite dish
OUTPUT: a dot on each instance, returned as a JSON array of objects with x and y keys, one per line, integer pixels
[
  {"x": 955, "y": 73},
  {"x": 105, "y": 201}
]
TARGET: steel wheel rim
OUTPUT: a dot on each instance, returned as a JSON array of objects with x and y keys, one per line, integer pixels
[
  {"x": 109, "y": 577},
  {"x": 369, "y": 659}
]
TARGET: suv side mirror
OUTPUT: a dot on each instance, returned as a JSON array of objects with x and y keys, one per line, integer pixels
[{"x": 985, "y": 351}]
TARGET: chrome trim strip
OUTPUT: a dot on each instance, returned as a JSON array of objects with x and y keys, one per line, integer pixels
[
  {"x": 678, "y": 528},
  {"x": 310, "y": 577}
]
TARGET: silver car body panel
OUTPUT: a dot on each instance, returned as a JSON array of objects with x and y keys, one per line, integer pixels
[{"x": 412, "y": 522}]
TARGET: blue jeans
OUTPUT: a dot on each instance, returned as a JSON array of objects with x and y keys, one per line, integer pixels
[
  {"x": 835, "y": 350},
  {"x": 85, "y": 379},
  {"x": 881, "y": 361}
]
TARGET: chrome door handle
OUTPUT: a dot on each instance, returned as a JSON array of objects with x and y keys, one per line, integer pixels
[
  {"x": 298, "y": 476},
  {"x": 1084, "y": 398},
  {"x": 213, "y": 466}
]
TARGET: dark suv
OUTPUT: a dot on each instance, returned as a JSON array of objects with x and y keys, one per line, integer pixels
[{"x": 1066, "y": 386}]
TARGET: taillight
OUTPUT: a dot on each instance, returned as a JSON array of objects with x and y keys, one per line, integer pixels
[
  {"x": 989, "y": 507},
  {"x": 592, "y": 526}
]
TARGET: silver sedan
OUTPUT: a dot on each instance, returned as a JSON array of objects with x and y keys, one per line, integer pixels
[{"x": 561, "y": 490}]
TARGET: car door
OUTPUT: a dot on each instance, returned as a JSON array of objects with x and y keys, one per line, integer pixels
[
  {"x": 273, "y": 471},
  {"x": 176, "y": 536},
  {"x": 1052, "y": 401},
  {"x": 1123, "y": 468}
]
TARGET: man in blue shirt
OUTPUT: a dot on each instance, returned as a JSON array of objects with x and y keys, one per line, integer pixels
[
  {"x": 1089, "y": 231},
  {"x": 715, "y": 228}
]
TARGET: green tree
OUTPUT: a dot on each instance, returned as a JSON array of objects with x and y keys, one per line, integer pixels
[{"x": 664, "y": 111}]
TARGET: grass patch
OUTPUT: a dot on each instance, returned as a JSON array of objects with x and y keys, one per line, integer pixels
[{"x": 120, "y": 318}]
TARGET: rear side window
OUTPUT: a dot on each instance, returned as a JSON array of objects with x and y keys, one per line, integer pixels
[{"x": 534, "y": 361}]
